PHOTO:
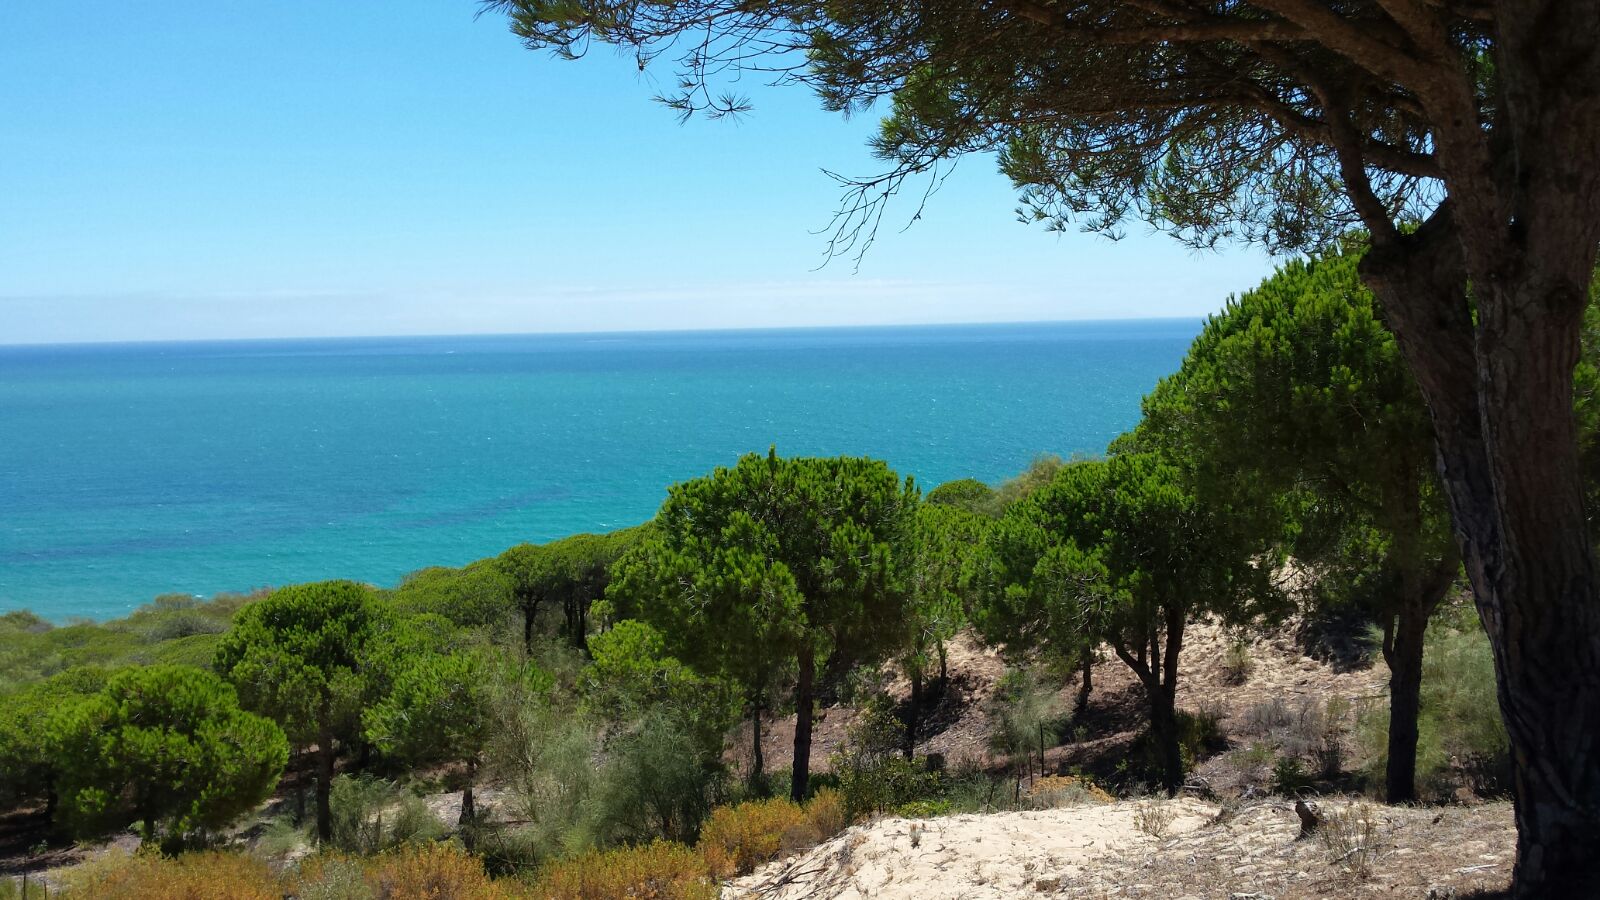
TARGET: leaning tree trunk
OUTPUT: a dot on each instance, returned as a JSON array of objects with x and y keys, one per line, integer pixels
[
  {"x": 1499, "y": 391},
  {"x": 804, "y": 700}
]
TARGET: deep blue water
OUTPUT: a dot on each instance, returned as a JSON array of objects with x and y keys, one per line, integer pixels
[{"x": 127, "y": 471}]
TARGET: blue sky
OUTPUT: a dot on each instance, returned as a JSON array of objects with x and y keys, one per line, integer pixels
[{"x": 182, "y": 170}]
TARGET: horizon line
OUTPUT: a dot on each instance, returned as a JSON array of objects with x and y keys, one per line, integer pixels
[{"x": 582, "y": 332}]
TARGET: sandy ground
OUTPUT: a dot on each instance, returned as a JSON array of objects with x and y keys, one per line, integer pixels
[
  {"x": 968, "y": 857},
  {"x": 1098, "y": 851}
]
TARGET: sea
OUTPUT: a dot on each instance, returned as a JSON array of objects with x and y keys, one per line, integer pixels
[{"x": 133, "y": 470}]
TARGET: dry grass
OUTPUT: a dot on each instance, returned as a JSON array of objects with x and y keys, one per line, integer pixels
[
  {"x": 1154, "y": 815},
  {"x": 1350, "y": 836},
  {"x": 659, "y": 871},
  {"x": 1252, "y": 850},
  {"x": 193, "y": 876},
  {"x": 427, "y": 872}
]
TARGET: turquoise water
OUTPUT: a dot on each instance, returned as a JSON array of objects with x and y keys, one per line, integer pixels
[{"x": 128, "y": 471}]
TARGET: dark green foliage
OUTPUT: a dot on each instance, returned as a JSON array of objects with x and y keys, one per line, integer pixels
[
  {"x": 167, "y": 746},
  {"x": 969, "y": 494},
  {"x": 873, "y": 777},
  {"x": 439, "y": 709},
  {"x": 30, "y": 732},
  {"x": 312, "y": 657},
  {"x": 1295, "y": 401},
  {"x": 475, "y": 596},
  {"x": 305, "y": 655},
  {"x": 776, "y": 563},
  {"x": 1120, "y": 552},
  {"x": 631, "y": 676},
  {"x": 1295, "y": 406},
  {"x": 567, "y": 576}
]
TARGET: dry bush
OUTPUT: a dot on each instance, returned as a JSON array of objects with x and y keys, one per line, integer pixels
[
  {"x": 433, "y": 871},
  {"x": 1054, "y": 791},
  {"x": 1237, "y": 663},
  {"x": 1350, "y": 836},
  {"x": 1154, "y": 815},
  {"x": 192, "y": 876},
  {"x": 424, "y": 872},
  {"x": 737, "y": 839},
  {"x": 1266, "y": 717},
  {"x": 659, "y": 871},
  {"x": 825, "y": 816}
]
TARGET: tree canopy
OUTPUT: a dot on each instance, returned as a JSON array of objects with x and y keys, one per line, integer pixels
[
  {"x": 776, "y": 563},
  {"x": 312, "y": 657},
  {"x": 167, "y": 746},
  {"x": 441, "y": 708},
  {"x": 1295, "y": 399},
  {"x": 1120, "y": 552},
  {"x": 571, "y": 573},
  {"x": 31, "y": 719}
]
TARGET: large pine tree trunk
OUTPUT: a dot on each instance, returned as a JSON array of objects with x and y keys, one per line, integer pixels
[
  {"x": 1538, "y": 596},
  {"x": 1499, "y": 391},
  {"x": 804, "y": 700}
]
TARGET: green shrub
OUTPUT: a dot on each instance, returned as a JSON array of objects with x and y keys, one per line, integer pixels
[
  {"x": 1027, "y": 713},
  {"x": 370, "y": 815},
  {"x": 1289, "y": 777},
  {"x": 926, "y": 809},
  {"x": 656, "y": 783},
  {"x": 356, "y": 804},
  {"x": 1461, "y": 738},
  {"x": 1237, "y": 663},
  {"x": 546, "y": 757},
  {"x": 886, "y": 784},
  {"x": 1200, "y": 733}
]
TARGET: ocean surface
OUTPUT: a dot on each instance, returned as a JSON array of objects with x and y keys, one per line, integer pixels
[{"x": 128, "y": 471}]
